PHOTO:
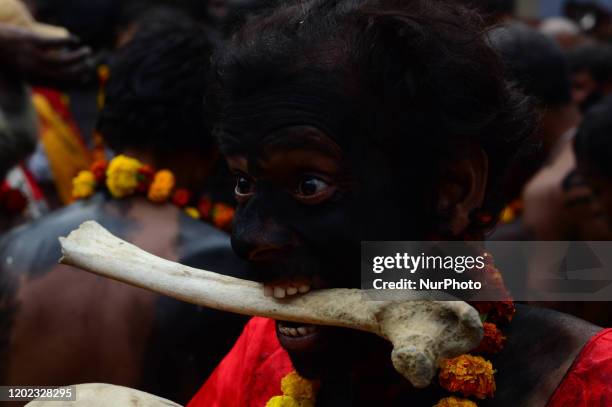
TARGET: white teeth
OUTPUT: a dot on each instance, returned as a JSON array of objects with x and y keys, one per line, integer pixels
[
  {"x": 296, "y": 332},
  {"x": 292, "y": 291},
  {"x": 304, "y": 288},
  {"x": 268, "y": 291},
  {"x": 279, "y": 292}
]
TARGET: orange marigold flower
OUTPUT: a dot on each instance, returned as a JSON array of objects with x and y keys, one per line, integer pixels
[
  {"x": 223, "y": 215},
  {"x": 161, "y": 187},
  {"x": 455, "y": 402},
  {"x": 83, "y": 185},
  {"x": 468, "y": 375},
  {"x": 98, "y": 169},
  {"x": 181, "y": 197},
  {"x": 493, "y": 340}
]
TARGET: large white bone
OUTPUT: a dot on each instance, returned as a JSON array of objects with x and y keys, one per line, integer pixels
[
  {"x": 106, "y": 395},
  {"x": 422, "y": 332}
]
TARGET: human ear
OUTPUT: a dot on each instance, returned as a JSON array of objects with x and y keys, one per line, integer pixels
[{"x": 462, "y": 188}]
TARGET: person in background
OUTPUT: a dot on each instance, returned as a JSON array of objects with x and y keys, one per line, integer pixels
[
  {"x": 593, "y": 17},
  {"x": 537, "y": 65},
  {"x": 31, "y": 53},
  {"x": 564, "y": 31},
  {"x": 62, "y": 326},
  {"x": 593, "y": 149},
  {"x": 591, "y": 73}
]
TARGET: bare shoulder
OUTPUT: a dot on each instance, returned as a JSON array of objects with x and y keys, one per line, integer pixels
[{"x": 542, "y": 346}]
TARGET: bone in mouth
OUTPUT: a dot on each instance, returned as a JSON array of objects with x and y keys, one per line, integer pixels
[{"x": 422, "y": 332}]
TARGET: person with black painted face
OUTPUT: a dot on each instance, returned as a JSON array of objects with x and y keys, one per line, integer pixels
[
  {"x": 356, "y": 120},
  {"x": 61, "y": 326}
]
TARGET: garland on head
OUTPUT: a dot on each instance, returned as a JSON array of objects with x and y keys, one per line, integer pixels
[{"x": 125, "y": 176}]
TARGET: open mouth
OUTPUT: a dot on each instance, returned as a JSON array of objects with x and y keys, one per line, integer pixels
[{"x": 296, "y": 336}]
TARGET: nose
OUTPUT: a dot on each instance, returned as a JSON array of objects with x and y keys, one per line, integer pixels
[{"x": 264, "y": 241}]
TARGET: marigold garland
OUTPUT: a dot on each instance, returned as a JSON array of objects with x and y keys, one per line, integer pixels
[
  {"x": 472, "y": 375},
  {"x": 125, "y": 176},
  {"x": 468, "y": 375},
  {"x": 84, "y": 185},
  {"x": 455, "y": 402},
  {"x": 161, "y": 187},
  {"x": 493, "y": 340},
  {"x": 122, "y": 176},
  {"x": 297, "y": 392}
]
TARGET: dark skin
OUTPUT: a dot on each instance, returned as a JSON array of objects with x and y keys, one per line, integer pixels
[
  {"x": 299, "y": 194},
  {"x": 99, "y": 330}
]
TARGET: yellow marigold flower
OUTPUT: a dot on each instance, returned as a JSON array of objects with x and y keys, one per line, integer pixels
[
  {"x": 193, "y": 212},
  {"x": 508, "y": 215},
  {"x": 468, "y": 375},
  {"x": 455, "y": 402},
  {"x": 296, "y": 386},
  {"x": 83, "y": 185},
  {"x": 161, "y": 187},
  {"x": 121, "y": 176},
  {"x": 288, "y": 401}
]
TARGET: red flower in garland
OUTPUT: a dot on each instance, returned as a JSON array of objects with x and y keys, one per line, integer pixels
[
  {"x": 98, "y": 169},
  {"x": 205, "y": 207},
  {"x": 12, "y": 201},
  {"x": 145, "y": 178},
  {"x": 493, "y": 340},
  {"x": 181, "y": 197}
]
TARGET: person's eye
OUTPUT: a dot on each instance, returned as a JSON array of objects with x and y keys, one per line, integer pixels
[
  {"x": 244, "y": 186},
  {"x": 313, "y": 189}
]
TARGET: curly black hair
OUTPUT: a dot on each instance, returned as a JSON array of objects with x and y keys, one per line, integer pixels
[
  {"x": 417, "y": 76},
  {"x": 155, "y": 95}
]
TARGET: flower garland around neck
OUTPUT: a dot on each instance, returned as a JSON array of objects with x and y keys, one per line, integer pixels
[
  {"x": 472, "y": 375},
  {"x": 468, "y": 375},
  {"x": 125, "y": 176}
]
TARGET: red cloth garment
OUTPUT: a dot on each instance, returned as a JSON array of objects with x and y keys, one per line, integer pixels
[
  {"x": 250, "y": 375},
  {"x": 588, "y": 383}
]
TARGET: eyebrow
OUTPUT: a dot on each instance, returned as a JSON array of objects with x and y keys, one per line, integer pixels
[{"x": 302, "y": 139}]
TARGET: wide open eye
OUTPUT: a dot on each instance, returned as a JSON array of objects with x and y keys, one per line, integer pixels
[
  {"x": 313, "y": 190},
  {"x": 244, "y": 187},
  {"x": 311, "y": 186}
]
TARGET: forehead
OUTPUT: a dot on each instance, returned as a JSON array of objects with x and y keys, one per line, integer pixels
[{"x": 295, "y": 146}]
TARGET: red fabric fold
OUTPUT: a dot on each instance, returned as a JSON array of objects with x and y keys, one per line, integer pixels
[
  {"x": 588, "y": 383},
  {"x": 251, "y": 373}
]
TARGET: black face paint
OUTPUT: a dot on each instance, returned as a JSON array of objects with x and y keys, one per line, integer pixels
[
  {"x": 318, "y": 240},
  {"x": 247, "y": 121}
]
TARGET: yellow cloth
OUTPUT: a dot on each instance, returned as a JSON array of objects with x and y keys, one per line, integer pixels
[{"x": 66, "y": 153}]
